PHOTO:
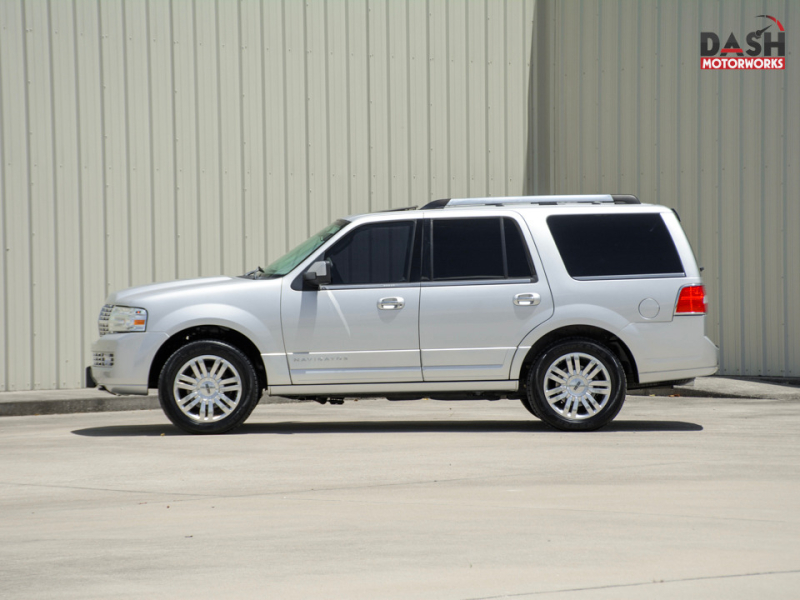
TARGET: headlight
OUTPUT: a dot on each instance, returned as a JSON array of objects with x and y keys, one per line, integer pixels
[{"x": 122, "y": 319}]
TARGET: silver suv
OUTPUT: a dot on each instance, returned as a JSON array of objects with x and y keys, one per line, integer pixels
[{"x": 563, "y": 302}]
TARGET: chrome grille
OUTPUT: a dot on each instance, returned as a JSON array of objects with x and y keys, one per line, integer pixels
[
  {"x": 102, "y": 321},
  {"x": 103, "y": 359}
]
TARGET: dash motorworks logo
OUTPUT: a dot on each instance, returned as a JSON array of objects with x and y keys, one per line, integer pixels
[{"x": 766, "y": 48}]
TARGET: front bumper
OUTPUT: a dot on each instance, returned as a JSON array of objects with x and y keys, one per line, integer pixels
[{"x": 121, "y": 361}]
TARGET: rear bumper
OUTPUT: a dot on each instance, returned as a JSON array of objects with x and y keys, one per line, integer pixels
[
  {"x": 700, "y": 360},
  {"x": 677, "y": 349}
]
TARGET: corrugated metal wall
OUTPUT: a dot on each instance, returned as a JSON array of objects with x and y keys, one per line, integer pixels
[
  {"x": 152, "y": 140},
  {"x": 632, "y": 112}
]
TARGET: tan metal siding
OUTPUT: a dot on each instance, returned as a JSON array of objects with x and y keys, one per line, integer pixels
[
  {"x": 147, "y": 141},
  {"x": 16, "y": 200},
  {"x": 144, "y": 141},
  {"x": 789, "y": 209},
  {"x": 721, "y": 147}
]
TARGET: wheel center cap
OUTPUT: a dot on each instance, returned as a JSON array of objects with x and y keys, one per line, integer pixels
[
  {"x": 208, "y": 388},
  {"x": 576, "y": 386}
]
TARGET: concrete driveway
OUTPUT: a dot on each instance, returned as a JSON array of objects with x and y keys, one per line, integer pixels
[{"x": 680, "y": 497}]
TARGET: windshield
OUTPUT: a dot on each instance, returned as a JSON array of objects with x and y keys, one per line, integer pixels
[{"x": 291, "y": 259}]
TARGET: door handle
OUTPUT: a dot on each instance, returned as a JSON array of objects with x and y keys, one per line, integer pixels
[
  {"x": 527, "y": 299},
  {"x": 393, "y": 303}
]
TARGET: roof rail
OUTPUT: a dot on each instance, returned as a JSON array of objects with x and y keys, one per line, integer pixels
[
  {"x": 541, "y": 200},
  {"x": 397, "y": 209}
]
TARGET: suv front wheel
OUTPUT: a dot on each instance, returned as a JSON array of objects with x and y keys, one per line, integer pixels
[
  {"x": 208, "y": 386},
  {"x": 576, "y": 385}
]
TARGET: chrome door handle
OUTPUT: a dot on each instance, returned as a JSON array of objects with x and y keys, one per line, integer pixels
[
  {"x": 527, "y": 299},
  {"x": 391, "y": 303}
]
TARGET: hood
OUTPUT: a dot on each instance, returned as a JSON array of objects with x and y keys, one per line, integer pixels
[{"x": 202, "y": 288}]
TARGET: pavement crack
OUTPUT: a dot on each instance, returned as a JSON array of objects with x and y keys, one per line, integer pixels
[
  {"x": 637, "y": 584},
  {"x": 102, "y": 489}
]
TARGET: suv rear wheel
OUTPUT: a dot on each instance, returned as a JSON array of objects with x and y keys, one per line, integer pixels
[
  {"x": 208, "y": 386},
  {"x": 577, "y": 385}
]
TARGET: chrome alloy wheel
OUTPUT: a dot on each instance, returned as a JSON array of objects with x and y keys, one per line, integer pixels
[
  {"x": 207, "y": 388},
  {"x": 577, "y": 386}
]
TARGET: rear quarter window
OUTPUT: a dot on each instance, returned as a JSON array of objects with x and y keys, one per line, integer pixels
[{"x": 615, "y": 246}]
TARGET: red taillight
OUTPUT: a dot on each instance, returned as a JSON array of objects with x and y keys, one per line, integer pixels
[{"x": 691, "y": 301}]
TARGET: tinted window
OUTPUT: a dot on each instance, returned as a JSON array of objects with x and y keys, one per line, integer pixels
[
  {"x": 490, "y": 248},
  {"x": 519, "y": 264},
  {"x": 594, "y": 246},
  {"x": 373, "y": 254}
]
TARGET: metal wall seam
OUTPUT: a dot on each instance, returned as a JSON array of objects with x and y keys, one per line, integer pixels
[
  {"x": 67, "y": 195},
  {"x": 318, "y": 173},
  {"x": 419, "y": 148},
  {"x": 139, "y": 144},
  {"x": 252, "y": 133},
  {"x": 515, "y": 101},
  {"x": 208, "y": 128},
  {"x": 791, "y": 192},
  {"x": 379, "y": 107},
  {"x": 297, "y": 120},
  {"x": 24, "y": 288},
  {"x": 438, "y": 104},
  {"x": 476, "y": 92},
  {"x": 231, "y": 226},
  {"x": 495, "y": 99},
  {"x": 3, "y": 220},
  {"x": 162, "y": 127},
  {"x": 457, "y": 101},
  {"x": 275, "y": 145}
]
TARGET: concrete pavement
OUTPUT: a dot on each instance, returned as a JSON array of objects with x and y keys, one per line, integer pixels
[
  {"x": 49, "y": 402},
  {"x": 678, "y": 498}
]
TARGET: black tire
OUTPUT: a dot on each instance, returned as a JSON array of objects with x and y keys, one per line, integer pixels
[
  {"x": 591, "y": 394},
  {"x": 207, "y": 387},
  {"x": 527, "y": 404}
]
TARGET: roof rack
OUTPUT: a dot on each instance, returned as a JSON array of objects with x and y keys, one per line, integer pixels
[
  {"x": 397, "y": 209},
  {"x": 540, "y": 200}
]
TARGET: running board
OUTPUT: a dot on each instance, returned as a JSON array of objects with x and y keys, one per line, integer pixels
[{"x": 338, "y": 390}]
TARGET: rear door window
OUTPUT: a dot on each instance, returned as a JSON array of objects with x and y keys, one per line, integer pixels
[
  {"x": 615, "y": 246},
  {"x": 478, "y": 248}
]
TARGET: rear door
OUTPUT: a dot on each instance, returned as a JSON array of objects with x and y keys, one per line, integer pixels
[{"x": 481, "y": 295}]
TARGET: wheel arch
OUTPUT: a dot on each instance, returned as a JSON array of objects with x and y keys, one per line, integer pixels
[
  {"x": 207, "y": 332},
  {"x": 598, "y": 334}
]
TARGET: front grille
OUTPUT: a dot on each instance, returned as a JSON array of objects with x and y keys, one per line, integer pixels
[
  {"x": 102, "y": 321},
  {"x": 103, "y": 359}
]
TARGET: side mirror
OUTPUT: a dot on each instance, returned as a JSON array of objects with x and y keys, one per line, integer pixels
[{"x": 319, "y": 273}]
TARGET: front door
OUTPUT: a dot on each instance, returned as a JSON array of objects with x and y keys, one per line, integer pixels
[{"x": 363, "y": 327}]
